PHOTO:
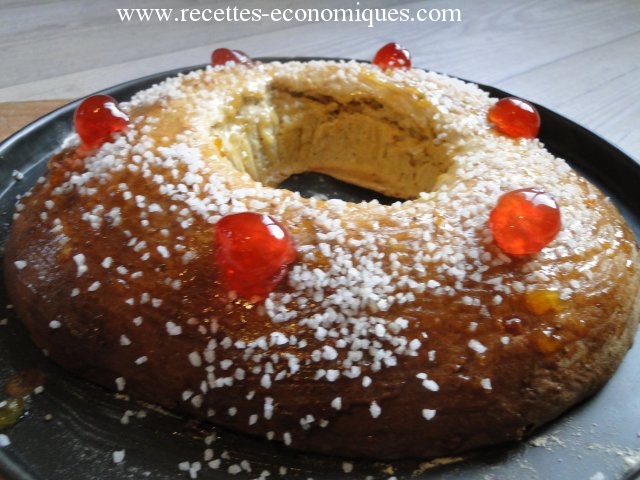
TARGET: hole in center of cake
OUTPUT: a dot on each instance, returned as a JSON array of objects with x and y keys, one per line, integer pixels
[
  {"x": 384, "y": 140},
  {"x": 371, "y": 142},
  {"x": 324, "y": 187}
]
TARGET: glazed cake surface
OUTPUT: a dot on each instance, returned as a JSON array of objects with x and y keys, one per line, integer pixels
[{"x": 401, "y": 321}]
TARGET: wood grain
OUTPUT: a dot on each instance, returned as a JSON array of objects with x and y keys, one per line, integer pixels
[{"x": 15, "y": 115}]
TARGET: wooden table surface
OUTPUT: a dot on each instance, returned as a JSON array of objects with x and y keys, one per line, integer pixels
[{"x": 579, "y": 58}]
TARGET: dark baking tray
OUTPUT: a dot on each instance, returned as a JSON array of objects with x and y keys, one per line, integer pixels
[{"x": 72, "y": 428}]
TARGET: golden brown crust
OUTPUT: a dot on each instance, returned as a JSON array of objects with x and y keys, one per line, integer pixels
[{"x": 401, "y": 322}]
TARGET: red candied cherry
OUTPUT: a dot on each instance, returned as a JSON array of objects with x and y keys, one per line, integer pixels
[
  {"x": 97, "y": 118},
  {"x": 222, "y": 56},
  {"x": 515, "y": 118},
  {"x": 524, "y": 221},
  {"x": 392, "y": 55},
  {"x": 253, "y": 251}
]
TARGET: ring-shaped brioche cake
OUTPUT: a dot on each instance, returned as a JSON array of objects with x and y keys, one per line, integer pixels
[{"x": 397, "y": 330}]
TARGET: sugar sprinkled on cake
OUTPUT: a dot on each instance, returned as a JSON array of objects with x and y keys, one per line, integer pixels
[{"x": 353, "y": 300}]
